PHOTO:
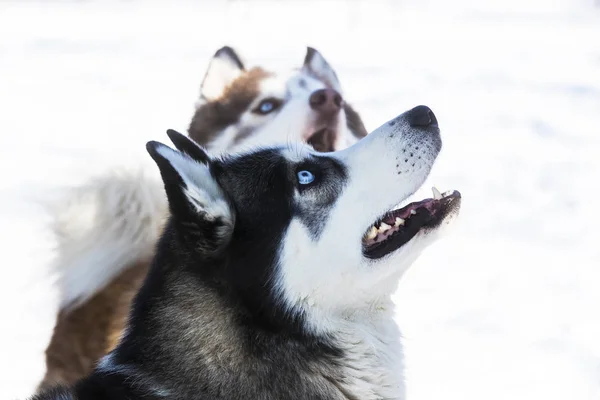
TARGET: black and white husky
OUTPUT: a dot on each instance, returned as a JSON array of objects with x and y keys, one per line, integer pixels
[{"x": 273, "y": 277}]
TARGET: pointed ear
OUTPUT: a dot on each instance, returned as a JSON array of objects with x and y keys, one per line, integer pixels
[
  {"x": 197, "y": 202},
  {"x": 188, "y": 146},
  {"x": 316, "y": 65},
  {"x": 224, "y": 67}
]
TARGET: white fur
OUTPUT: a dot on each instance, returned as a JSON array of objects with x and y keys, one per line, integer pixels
[
  {"x": 294, "y": 122},
  {"x": 373, "y": 363},
  {"x": 221, "y": 71},
  {"x": 112, "y": 221},
  {"x": 104, "y": 226},
  {"x": 336, "y": 257},
  {"x": 319, "y": 67},
  {"x": 201, "y": 188},
  {"x": 358, "y": 313}
]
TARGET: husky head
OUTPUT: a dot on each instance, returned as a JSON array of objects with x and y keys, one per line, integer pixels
[
  {"x": 303, "y": 238},
  {"x": 241, "y": 108}
]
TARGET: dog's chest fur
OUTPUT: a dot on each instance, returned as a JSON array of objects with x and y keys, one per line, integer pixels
[
  {"x": 361, "y": 359},
  {"x": 372, "y": 366}
]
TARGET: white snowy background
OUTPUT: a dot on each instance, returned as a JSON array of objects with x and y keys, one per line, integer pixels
[{"x": 507, "y": 307}]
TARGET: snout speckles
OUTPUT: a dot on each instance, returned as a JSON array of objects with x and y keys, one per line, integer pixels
[{"x": 414, "y": 157}]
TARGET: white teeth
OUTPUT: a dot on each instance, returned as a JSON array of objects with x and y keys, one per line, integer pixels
[
  {"x": 372, "y": 234},
  {"x": 384, "y": 227}
]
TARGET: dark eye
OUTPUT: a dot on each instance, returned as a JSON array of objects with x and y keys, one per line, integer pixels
[
  {"x": 305, "y": 177},
  {"x": 267, "y": 106}
]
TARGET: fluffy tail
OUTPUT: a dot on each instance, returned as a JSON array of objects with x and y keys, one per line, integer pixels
[{"x": 104, "y": 226}]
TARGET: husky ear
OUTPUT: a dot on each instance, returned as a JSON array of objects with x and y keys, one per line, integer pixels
[
  {"x": 316, "y": 65},
  {"x": 224, "y": 67},
  {"x": 196, "y": 200},
  {"x": 188, "y": 146}
]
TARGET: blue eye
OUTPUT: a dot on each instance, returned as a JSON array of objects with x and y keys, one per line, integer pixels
[
  {"x": 305, "y": 177},
  {"x": 266, "y": 107}
]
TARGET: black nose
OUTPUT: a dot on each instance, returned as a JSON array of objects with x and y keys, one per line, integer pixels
[{"x": 421, "y": 116}]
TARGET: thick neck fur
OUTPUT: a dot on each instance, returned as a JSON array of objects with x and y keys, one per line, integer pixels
[
  {"x": 190, "y": 337},
  {"x": 372, "y": 365}
]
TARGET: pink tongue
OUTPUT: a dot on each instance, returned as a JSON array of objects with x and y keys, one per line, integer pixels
[{"x": 404, "y": 213}]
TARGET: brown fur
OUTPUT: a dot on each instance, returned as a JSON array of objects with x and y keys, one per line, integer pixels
[
  {"x": 235, "y": 100},
  {"x": 83, "y": 335},
  {"x": 354, "y": 122}
]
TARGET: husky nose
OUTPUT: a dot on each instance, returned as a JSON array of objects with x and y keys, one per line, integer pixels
[
  {"x": 421, "y": 116},
  {"x": 326, "y": 101}
]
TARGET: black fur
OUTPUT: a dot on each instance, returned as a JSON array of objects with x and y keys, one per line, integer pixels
[
  {"x": 320, "y": 196},
  {"x": 231, "y": 55},
  {"x": 262, "y": 349},
  {"x": 183, "y": 144}
]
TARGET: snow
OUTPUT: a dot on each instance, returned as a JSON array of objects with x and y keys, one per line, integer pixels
[{"x": 506, "y": 307}]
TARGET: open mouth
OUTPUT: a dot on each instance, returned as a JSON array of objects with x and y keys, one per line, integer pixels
[
  {"x": 322, "y": 139},
  {"x": 398, "y": 227}
]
